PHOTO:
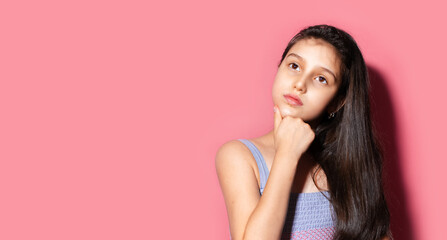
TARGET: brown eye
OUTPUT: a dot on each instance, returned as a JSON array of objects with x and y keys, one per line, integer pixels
[
  {"x": 293, "y": 66},
  {"x": 322, "y": 80}
]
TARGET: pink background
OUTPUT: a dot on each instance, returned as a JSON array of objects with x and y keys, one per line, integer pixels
[{"x": 112, "y": 111}]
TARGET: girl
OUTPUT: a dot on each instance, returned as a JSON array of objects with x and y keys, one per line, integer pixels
[{"x": 317, "y": 173}]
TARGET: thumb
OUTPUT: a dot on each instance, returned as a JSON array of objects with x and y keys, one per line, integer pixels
[{"x": 277, "y": 118}]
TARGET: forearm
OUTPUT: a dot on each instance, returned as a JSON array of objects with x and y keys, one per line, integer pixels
[{"x": 267, "y": 219}]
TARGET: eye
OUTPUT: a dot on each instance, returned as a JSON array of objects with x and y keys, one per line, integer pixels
[
  {"x": 293, "y": 65},
  {"x": 322, "y": 80}
]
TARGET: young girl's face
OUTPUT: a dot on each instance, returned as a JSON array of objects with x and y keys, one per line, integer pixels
[{"x": 311, "y": 72}]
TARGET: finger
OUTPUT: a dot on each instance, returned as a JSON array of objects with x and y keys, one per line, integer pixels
[{"x": 277, "y": 118}]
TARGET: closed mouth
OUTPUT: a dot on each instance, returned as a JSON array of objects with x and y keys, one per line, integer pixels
[{"x": 293, "y": 100}]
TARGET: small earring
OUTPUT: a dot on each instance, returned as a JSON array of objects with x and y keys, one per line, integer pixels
[{"x": 332, "y": 115}]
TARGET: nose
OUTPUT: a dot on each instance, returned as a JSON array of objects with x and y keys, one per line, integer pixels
[{"x": 300, "y": 84}]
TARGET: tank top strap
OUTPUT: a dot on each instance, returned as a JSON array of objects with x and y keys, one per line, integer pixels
[{"x": 262, "y": 166}]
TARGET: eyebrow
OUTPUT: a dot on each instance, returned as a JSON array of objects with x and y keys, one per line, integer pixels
[{"x": 299, "y": 57}]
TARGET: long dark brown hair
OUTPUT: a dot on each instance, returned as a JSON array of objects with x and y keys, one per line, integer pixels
[{"x": 346, "y": 147}]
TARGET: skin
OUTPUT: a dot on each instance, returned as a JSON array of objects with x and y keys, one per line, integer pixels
[
  {"x": 316, "y": 88},
  {"x": 305, "y": 77},
  {"x": 283, "y": 148}
]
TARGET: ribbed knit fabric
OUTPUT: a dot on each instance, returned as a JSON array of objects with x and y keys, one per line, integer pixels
[{"x": 309, "y": 215}]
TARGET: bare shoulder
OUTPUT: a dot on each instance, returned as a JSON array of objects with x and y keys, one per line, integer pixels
[
  {"x": 232, "y": 158},
  {"x": 238, "y": 184},
  {"x": 233, "y": 154},
  {"x": 230, "y": 147}
]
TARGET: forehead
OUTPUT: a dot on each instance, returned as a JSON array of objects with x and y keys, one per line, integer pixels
[{"x": 317, "y": 52}]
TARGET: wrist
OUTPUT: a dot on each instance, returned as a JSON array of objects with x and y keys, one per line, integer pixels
[{"x": 291, "y": 156}]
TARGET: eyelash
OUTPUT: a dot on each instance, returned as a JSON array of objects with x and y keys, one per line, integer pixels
[{"x": 318, "y": 76}]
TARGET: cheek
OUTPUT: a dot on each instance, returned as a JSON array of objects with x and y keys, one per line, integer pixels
[
  {"x": 276, "y": 88},
  {"x": 321, "y": 101},
  {"x": 275, "y": 95}
]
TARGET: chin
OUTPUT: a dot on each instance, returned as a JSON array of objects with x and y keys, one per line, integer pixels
[{"x": 286, "y": 112}]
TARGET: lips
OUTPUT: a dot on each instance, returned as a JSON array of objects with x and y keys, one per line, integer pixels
[{"x": 293, "y": 99}]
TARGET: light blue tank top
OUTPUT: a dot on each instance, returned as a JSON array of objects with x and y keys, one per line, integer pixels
[{"x": 309, "y": 215}]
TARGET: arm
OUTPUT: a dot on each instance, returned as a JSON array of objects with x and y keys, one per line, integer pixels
[{"x": 252, "y": 216}]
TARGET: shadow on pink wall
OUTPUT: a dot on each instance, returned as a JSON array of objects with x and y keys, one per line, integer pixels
[{"x": 384, "y": 118}]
